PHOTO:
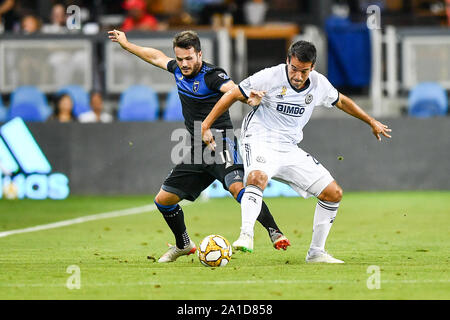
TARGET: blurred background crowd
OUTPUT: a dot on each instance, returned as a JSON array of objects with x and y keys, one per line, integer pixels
[{"x": 47, "y": 16}]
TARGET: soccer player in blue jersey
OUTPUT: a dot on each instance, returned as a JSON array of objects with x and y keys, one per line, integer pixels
[{"x": 200, "y": 85}]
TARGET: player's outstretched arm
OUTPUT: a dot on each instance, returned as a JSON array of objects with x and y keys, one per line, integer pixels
[
  {"x": 150, "y": 55},
  {"x": 349, "y": 106}
]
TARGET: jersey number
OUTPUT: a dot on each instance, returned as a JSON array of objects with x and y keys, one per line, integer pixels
[{"x": 225, "y": 155}]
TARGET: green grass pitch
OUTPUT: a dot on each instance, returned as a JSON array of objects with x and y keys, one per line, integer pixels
[{"x": 404, "y": 234}]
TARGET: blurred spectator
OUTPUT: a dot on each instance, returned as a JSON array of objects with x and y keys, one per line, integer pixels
[
  {"x": 63, "y": 109},
  {"x": 12, "y": 19},
  {"x": 211, "y": 12},
  {"x": 30, "y": 24},
  {"x": 138, "y": 18},
  {"x": 96, "y": 114},
  {"x": 170, "y": 14},
  {"x": 447, "y": 10},
  {"x": 180, "y": 20},
  {"x": 57, "y": 20},
  {"x": 255, "y": 12}
]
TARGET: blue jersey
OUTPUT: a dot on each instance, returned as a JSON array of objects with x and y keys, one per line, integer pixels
[{"x": 199, "y": 94}]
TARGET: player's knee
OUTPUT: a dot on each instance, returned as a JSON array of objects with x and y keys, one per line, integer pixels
[
  {"x": 235, "y": 188},
  {"x": 160, "y": 200},
  {"x": 335, "y": 194},
  {"x": 332, "y": 193},
  {"x": 338, "y": 193},
  {"x": 166, "y": 198},
  {"x": 257, "y": 178}
]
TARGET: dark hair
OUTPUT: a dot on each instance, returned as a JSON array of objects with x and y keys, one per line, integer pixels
[
  {"x": 186, "y": 40},
  {"x": 304, "y": 51},
  {"x": 58, "y": 101},
  {"x": 94, "y": 92}
]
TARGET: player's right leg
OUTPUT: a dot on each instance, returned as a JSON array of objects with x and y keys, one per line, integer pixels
[
  {"x": 186, "y": 181},
  {"x": 266, "y": 219},
  {"x": 251, "y": 204},
  {"x": 232, "y": 178},
  {"x": 167, "y": 204}
]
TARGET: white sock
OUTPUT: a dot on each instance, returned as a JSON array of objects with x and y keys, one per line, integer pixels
[
  {"x": 250, "y": 208},
  {"x": 323, "y": 220}
]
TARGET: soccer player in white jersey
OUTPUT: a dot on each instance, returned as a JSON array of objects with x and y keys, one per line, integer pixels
[{"x": 287, "y": 95}]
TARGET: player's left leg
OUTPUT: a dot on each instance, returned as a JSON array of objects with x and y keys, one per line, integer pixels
[
  {"x": 310, "y": 178},
  {"x": 324, "y": 216}
]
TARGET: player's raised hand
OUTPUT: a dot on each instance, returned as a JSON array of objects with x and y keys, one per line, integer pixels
[
  {"x": 379, "y": 128},
  {"x": 117, "y": 36},
  {"x": 255, "y": 98},
  {"x": 208, "y": 138}
]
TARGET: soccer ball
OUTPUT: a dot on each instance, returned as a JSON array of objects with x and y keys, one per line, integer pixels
[{"x": 214, "y": 251}]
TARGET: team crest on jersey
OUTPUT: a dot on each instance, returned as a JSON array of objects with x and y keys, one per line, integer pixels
[
  {"x": 260, "y": 159},
  {"x": 282, "y": 93},
  {"x": 309, "y": 98},
  {"x": 196, "y": 86},
  {"x": 224, "y": 76}
]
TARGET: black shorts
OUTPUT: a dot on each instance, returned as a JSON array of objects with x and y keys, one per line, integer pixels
[{"x": 188, "y": 180}]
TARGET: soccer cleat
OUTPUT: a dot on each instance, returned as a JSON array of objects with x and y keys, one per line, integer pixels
[
  {"x": 174, "y": 252},
  {"x": 280, "y": 241},
  {"x": 321, "y": 257},
  {"x": 244, "y": 243}
]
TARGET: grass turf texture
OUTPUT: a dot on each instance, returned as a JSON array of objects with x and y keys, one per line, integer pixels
[{"x": 404, "y": 233}]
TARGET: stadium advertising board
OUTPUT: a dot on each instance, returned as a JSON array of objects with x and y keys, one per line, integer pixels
[{"x": 25, "y": 171}]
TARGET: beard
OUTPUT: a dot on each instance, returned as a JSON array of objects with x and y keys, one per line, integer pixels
[
  {"x": 195, "y": 69},
  {"x": 296, "y": 84}
]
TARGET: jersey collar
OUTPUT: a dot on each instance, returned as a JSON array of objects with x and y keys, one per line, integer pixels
[{"x": 306, "y": 86}]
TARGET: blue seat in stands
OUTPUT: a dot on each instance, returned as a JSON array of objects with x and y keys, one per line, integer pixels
[
  {"x": 31, "y": 96},
  {"x": 138, "y": 103},
  {"x": 427, "y": 99},
  {"x": 79, "y": 96},
  {"x": 27, "y": 111},
  {"x": 173, "y": 110}
]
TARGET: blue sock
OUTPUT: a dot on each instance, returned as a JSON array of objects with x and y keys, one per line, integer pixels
[{"x": 240, "y": 194}]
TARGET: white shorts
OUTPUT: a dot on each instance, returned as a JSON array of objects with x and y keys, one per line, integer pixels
[{"x": 286, "y": 163}]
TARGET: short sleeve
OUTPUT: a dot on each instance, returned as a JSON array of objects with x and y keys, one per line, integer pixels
[
  {"x": 172, "y": 66},
  {"x": 260, "y": 81},
  {"x": 216, "y": 79},
  {"x": 329, "y": 94}
]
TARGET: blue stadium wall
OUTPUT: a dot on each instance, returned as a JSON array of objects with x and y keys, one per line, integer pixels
[{"x": 134, "y": 158}]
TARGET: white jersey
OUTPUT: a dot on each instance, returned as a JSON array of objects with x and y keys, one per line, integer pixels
[{"x": 284, "y": 110}]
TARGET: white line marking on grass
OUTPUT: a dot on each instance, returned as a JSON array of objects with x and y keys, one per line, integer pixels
[
  {"x": 220, "y": 282},
  {"x": 273, "y": 281},
  {"x": 99, "y": 216}
]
